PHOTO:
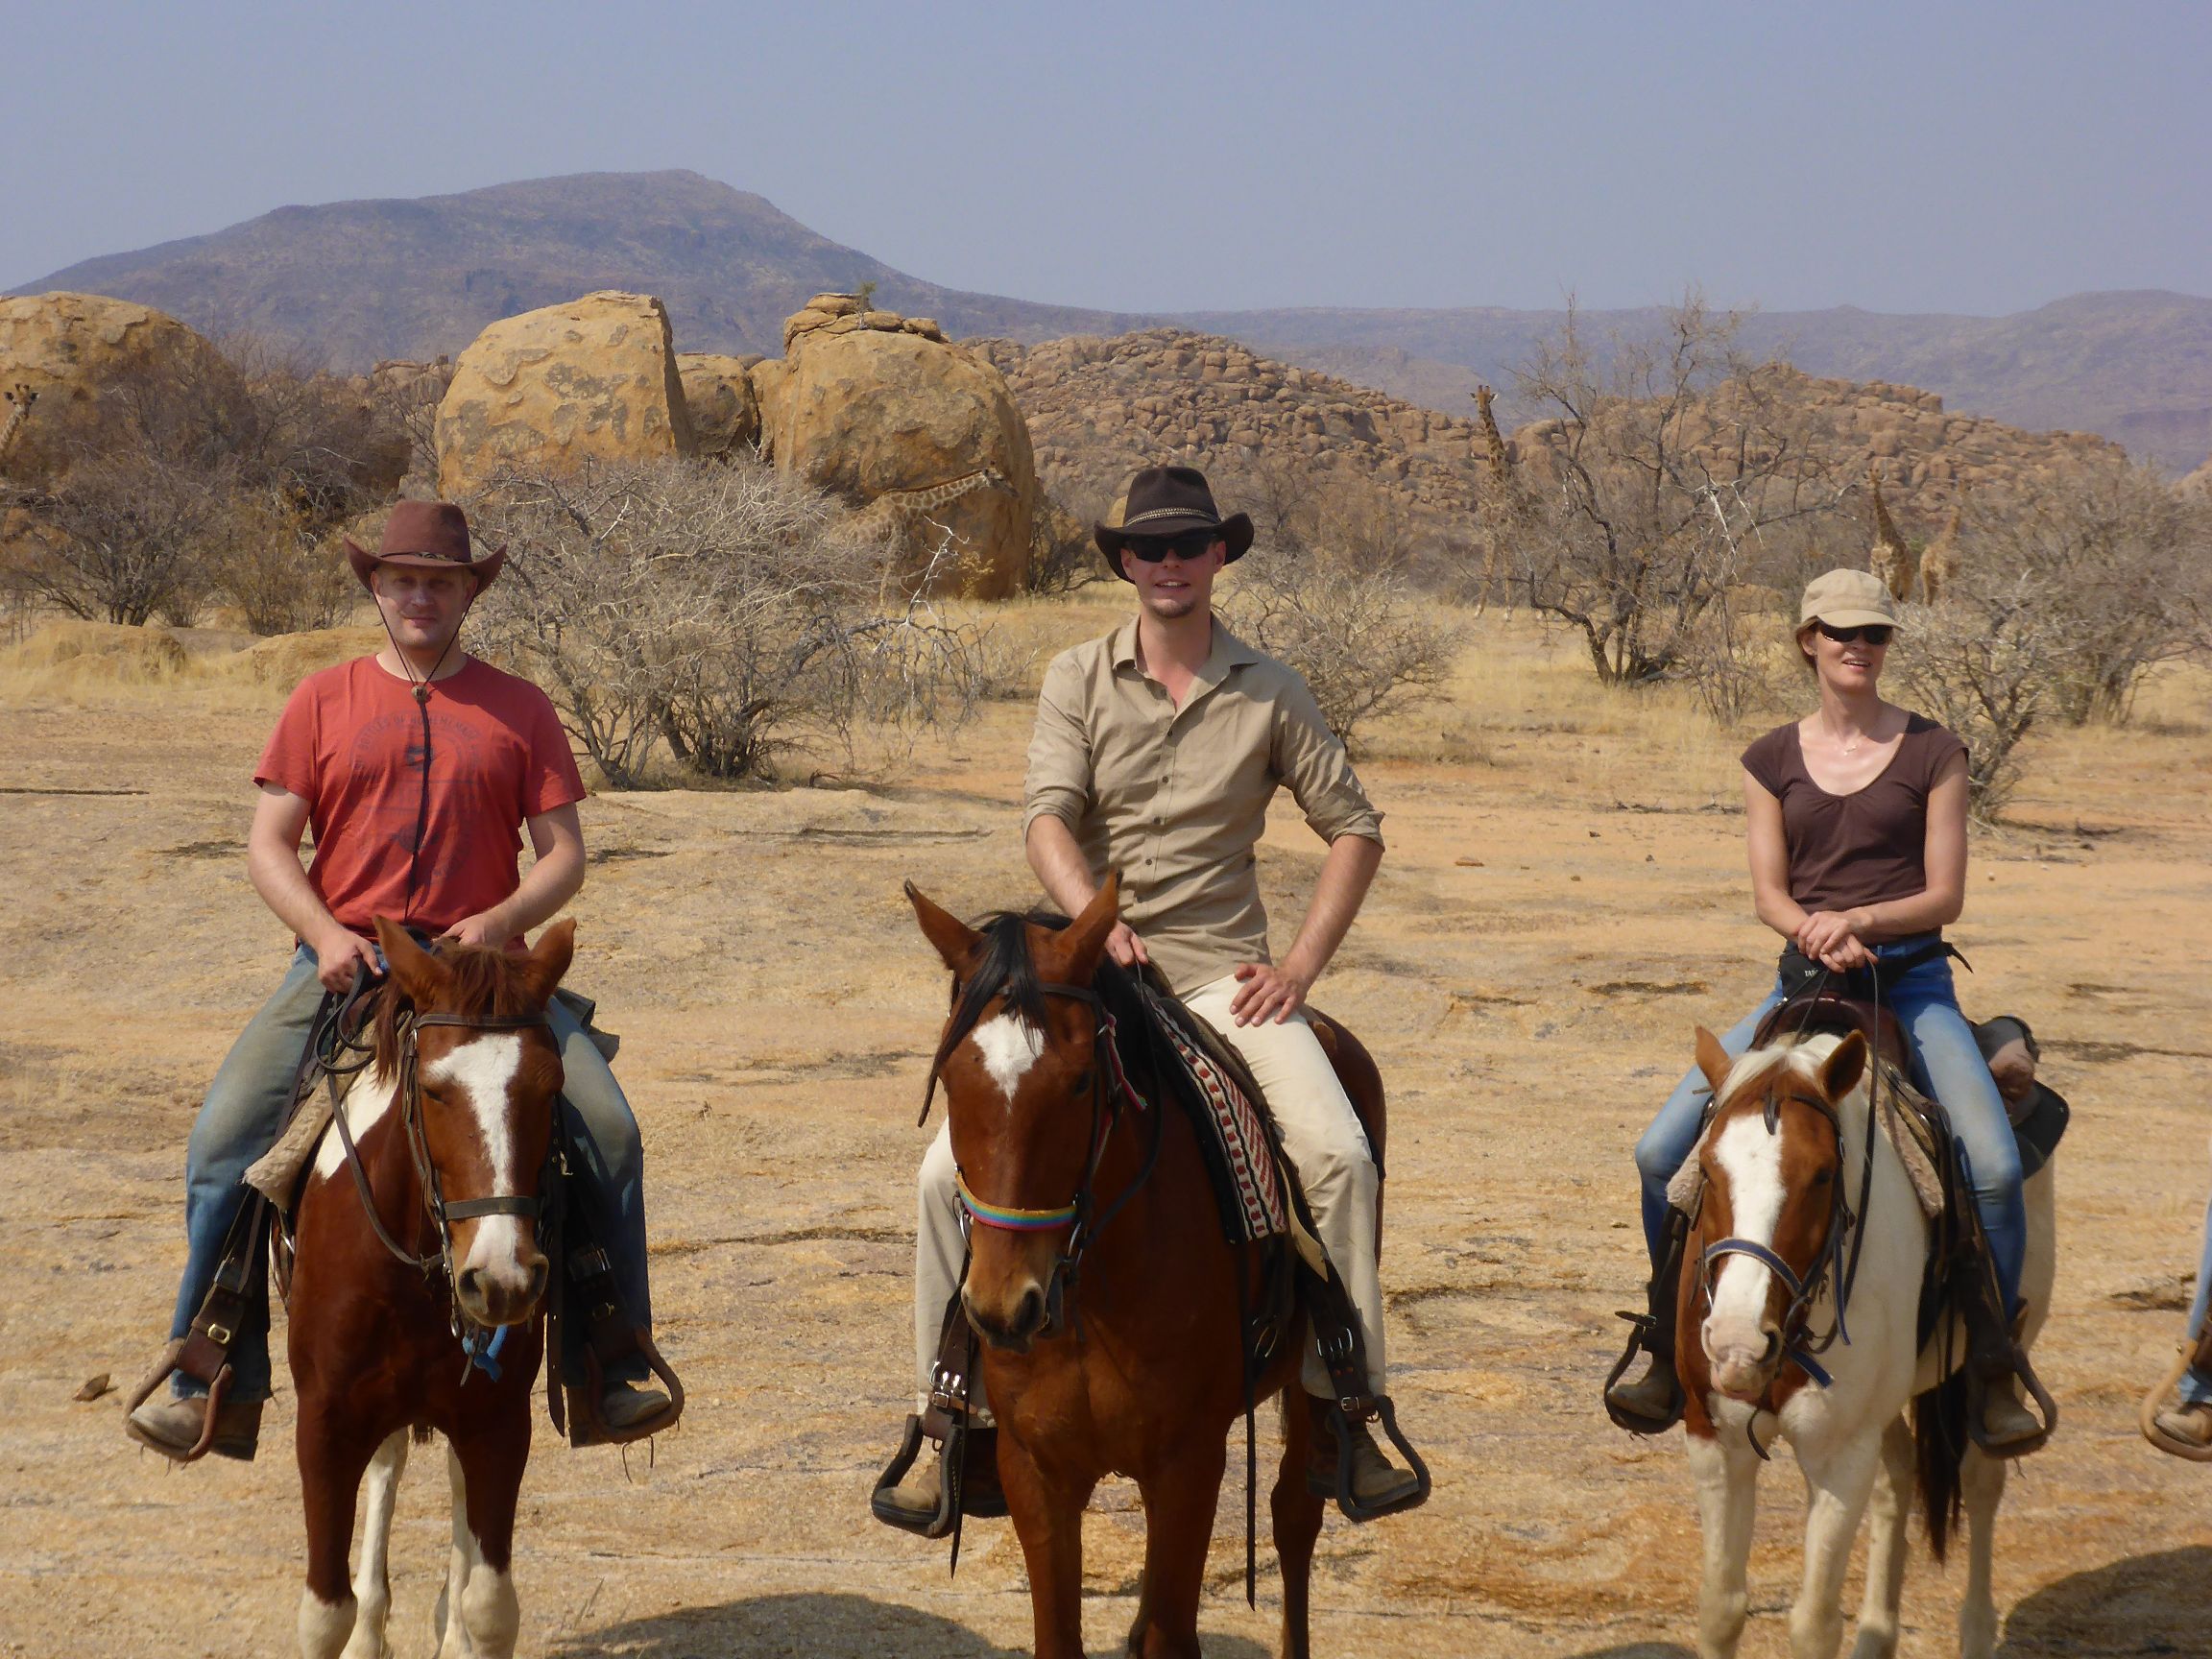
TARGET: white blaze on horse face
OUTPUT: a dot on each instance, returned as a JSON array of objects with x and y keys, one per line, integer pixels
[
  {"x": 481, "y": 1071},
  {"x": 1009, "y": 1045},
  {"x": 1751, "y": 1160}
]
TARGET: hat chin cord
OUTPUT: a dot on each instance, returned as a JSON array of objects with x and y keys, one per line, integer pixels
[{"x": 421, "y": 689}]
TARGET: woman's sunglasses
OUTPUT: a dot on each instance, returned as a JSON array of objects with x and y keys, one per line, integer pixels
[
  {"x": 1152, "y": 549},
  {"x": 1873, "y": 633}
]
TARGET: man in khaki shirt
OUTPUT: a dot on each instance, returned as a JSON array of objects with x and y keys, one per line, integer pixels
[{"x": 1156, "y": 752}]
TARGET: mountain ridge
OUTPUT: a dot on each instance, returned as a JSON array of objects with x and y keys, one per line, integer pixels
[{"x": 349, "y": 284}]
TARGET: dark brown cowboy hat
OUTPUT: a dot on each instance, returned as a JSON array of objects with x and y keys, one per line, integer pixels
[
  {"x": 1168, "y": 501},
  {"x": 430, "y": 535}
]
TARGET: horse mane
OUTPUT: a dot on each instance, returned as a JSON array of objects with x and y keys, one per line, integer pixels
[
  {"x": 486, "y": 980},
  {"x": 1007, "y": 971}
]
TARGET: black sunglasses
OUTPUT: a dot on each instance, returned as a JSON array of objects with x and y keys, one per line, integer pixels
[
  {"x": 1152, "y": 549},
  {"x": 1873, "y": 633}
]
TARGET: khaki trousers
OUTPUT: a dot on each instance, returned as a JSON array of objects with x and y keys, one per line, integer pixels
[{"x": 1320, "y": 1132}]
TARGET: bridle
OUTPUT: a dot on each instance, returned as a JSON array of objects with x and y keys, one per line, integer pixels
[
  {"x": 1110, "y": 1090},
  {"x": 333, "y": 1039},
  {"x": 1831, "y": 1265}
]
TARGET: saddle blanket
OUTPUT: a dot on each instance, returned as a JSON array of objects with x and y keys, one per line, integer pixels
[{"x": 1236, "y": 1143}]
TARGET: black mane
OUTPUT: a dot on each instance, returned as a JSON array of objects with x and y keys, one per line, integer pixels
[{"x": 1005, "y": 971}]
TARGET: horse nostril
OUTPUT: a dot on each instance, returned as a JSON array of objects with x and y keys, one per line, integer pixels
[
  {"x": 472, "y": 1284},
  {"x": 1774, "y": 1346},
  {"x": 1030, "y": 1317},
  {"x": 538, "y": 1280}
]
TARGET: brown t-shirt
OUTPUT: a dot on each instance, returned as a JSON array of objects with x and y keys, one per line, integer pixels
[{"x": 1865, "y": 846}]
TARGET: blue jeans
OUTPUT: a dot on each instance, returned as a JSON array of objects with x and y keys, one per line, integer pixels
[
  {"x": 2196, "y": 1384},
  {"x": 1946, "y": 1065},
  {"x": 244, "y": 1114}
]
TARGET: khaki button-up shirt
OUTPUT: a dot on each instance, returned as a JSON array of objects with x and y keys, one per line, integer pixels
[{"x": 1176, "y": 799}]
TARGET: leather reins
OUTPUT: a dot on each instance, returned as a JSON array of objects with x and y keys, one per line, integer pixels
[
  {"x": 332, "y": 1038},
  {"x": 1109, "y": 1089}
]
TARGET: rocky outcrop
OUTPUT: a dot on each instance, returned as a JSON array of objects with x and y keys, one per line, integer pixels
[
  {"x": 878, "y": 410},
  {"x": 593, "y": 379},
  {"x": 718, "y": 392},
  {"x": 77, "y": 370},
  {"x": 1100, "y": 408}
]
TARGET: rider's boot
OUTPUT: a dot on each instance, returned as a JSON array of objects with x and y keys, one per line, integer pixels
[
  {"x": 1652, "y": 1403},
  {"x": 2001, "y": 1424},
  {"x": 2189, "y": 1422},
  {"x": 626, "y": 1404},
  {"x": 1377, "y": 1484},
  {"x": 910, "y": 1494},
  {"x": 173, "y": 1426}
]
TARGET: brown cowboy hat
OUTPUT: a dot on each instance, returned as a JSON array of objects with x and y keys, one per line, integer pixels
[
  {"x": 1162, "y": 501},
  {"x": 430, "y": 535}
]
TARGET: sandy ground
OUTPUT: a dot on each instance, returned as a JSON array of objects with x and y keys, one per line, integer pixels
[{"x": 1564, "y": 897}]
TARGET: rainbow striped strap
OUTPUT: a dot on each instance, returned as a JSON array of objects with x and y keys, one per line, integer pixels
[{"x": 1010, "y": 1219}]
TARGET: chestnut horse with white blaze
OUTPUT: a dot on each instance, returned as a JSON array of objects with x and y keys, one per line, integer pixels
[
  {"x": 430, "y": 1231},
  {"x": 1791, "y": 1218},
  {"x": 1135, "y": 1366}
]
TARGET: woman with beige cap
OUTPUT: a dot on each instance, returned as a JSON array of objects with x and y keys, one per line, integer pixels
[{"x": 1856, "y": 820}]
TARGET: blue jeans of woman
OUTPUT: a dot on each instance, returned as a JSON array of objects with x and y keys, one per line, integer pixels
[
  {"x": 2196, "y": 1384},
  {"x": 244, "y": 1114},
  {"x": 1946, "y": 1065}
]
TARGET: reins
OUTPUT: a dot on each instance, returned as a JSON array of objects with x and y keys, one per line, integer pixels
[
  {"x": 1110, "y": 1090},
  {"x": 332, "y": 1039}
]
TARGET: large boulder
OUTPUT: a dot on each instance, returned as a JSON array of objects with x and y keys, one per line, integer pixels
[
  {"x": 80, "y": 373},
  {"x": 593, "y": 379},
  {"x": 921, "y": 434},
  {"x": 718, "y": 392}
]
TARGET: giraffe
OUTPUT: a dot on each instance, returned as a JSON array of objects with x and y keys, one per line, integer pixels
[
  {"x": 897, "y": 512},
  {"x": 1891, "y": 558},
  {"x": 19, "y": 399},
  {"x": 1940, "y": 564},
  {"x": 1502, "y": 505}
]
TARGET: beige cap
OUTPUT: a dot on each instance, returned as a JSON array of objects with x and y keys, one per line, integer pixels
[{"x": 1849, "y": 599}]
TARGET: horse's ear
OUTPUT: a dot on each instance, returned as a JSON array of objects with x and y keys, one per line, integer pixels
[
  {"x": 419, "y": 974},
  {"x": 1084, "y": 941},
  {"x": 1844, "y": 1066},
  {"x": 955, "y": 938},
  {"x": 1713, "y": 1060},
  {"x": 549, "y": 959}
]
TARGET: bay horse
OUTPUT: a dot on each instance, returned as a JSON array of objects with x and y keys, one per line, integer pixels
[
  {"x": 423, "y": 1229},
  {"x": 1138, "y": 1370},
  {"x": 1784, "y": 1160}
]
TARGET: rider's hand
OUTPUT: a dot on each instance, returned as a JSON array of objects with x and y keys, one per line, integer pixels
[
  {"x": 1831, "y": 938},
  {"x": 487, "y": 928},
  {"x": 339, "y": 953},
  {"x": 1125, "y": 948},
  {"x": 1264, "y": 990}
]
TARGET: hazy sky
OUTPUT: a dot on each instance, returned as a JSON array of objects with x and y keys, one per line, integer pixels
[{"x": 1980, "y": 157}]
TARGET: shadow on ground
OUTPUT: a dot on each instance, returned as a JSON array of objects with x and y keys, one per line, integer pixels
[
  {"x": 821, "y": 1627},
  {"x": 2139, "y": 1605},
  {"x": 1641, "y": 1650}
]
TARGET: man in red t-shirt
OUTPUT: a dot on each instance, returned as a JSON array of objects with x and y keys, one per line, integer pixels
[{"x": 428, "y": 833}]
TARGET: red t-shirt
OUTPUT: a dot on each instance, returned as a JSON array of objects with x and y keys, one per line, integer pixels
[{"x": 349, "y": 743}]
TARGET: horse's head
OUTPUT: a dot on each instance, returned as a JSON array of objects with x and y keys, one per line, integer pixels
[
  {"x": 1772, "y": 1159},
  {"x": 1023, "y": 1095},
  {"x": 487, "y": 1101}
]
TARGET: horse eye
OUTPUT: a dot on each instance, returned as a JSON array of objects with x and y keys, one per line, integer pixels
[
  {"x": 1083, "y": 1083},
  {"x": 1824, "y": 1178}
]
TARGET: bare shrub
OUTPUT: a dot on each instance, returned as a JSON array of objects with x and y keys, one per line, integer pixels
[
  {"x": 1980, "y": 660},
  {"x": 1346, "y": 616},
  {"x": 2120, "y": 560},
  {"x": 1665, "y": 473},
  {"x": 267, "y": 561},
  {"x": 717, "y": 610}
]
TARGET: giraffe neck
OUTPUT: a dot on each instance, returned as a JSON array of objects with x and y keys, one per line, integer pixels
[{"x": 19, "y": 411}]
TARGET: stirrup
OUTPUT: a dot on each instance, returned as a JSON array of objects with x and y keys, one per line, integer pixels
[
  {"x": 1382, "y": 1411},
  {"x": 164, "y": 1368},
  {"x": 1641, "y": 1327},
  {"x": 2148, "y": 1418},
  {"x": 587, "y": 1424},
  {"x": 954, "y": 1496}
]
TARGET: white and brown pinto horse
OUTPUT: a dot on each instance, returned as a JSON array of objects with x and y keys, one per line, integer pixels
[
  {"x": 1789, "y": 1215},
  {"x": 430, "y": 1231}
]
